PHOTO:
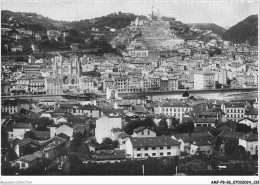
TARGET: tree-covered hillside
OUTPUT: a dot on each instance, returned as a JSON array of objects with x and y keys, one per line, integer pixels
[{"x": 244, "y": 30}]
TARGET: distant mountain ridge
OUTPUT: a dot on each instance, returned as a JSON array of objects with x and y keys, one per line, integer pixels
[
  {"x": 246, "y": 29},
  {"x": 209, "y": 26}
]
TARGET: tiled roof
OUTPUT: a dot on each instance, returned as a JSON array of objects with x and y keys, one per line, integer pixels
[
  {"x": 45, "y": 134},
  {"x": 28, "y": 141},
  {"x": 22, "y": 125},
  {"x": 229, "y": 123},
  {"x": 123, "y": 135},
  {"x": 58, "y": 110},
  {"x": 154, "y": 141},
  {"x": 175, "y": 104},
  {"x": 108, "y": 111},
  {"x": 205, "y": 120},
  {"x": 63, "y": 136},
  {"x": 139, "y": 129},
  {"x": 251, "y": 112},
  {"x": 232, "y": 134},
  {"x": 203, "y": 142},
  {"x": 203, "y": 129},
  {"x": 89, "y": 107},
  {"x": 110, "y": 157},
  {"x": 252, "y": 120},
  {"x": 28, "y": 158},
  {"x": 234, "y": 105},
  {"x": 252, "y": 137},
  {"x": 193, "y": 136}
]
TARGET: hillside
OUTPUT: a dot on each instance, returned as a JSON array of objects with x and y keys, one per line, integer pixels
[
  {"x": 37, "y": 22},
  {"x": 244, "y": 30},
  {"x": 209, "y": 26},
  {"x": 31, "y": 21}
]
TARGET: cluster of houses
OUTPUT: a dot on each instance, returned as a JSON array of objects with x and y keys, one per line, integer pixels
[{"x": 102, "y": 119}]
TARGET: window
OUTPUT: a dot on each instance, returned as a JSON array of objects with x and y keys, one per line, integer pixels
[
  {"x": 138, "y": 155},
  {"x": 161, "y": 154},
  {"x": 168, "y": 147},
  {"x": 12, "y": 135},
  {"x": 138, "y": 149},
  {"x": 23, "y": 164},
  {"x": 227, "y": 110},
  {"x": 123, "y": 142},
  {"x": 161, "y": 147},
  {"x": 242, "y": 110},
  {"x": 148, "y": 132},
  {"x": 142, "y": 132},
  {"x": 146, "y": 154},
  {"x": 231, "y": 110},
  {"x": 146, "y": 148},
  {"x": 153, "y": 154},
  {"x": 168, "y": 153},
  {"x": 238, "y": 111},
  {"x": 235, "y": 111},
  {"x": 154, "y": 148}
]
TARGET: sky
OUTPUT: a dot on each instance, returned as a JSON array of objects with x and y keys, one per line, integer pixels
[{"x": 222, "y": 13}]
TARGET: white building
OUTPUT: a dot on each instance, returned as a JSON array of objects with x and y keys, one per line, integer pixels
[
  {"x": 175, "y": 109},
  {"x": 105, "y": 124},
  {"x": 122, "y": 138},
  {"x": 249, "y": 122},
  {"x": 144, "y": 147},
  {"x": 234, "y": 111},
  {"x": 204, "y": 146},
  {"x": 54, "y": 130},
  {"x": 19, "y": 130},
  {"x": 204, "y": 81},
  {"x": 250, "y": 142},
  {"x": 143, "y": 132}
]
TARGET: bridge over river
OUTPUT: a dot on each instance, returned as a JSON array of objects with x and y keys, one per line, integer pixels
[{"x": 226, "y": 94}]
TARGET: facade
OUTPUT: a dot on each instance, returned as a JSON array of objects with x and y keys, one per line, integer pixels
[
  {"x": 18, "y": 131},
  {"x": 204, "y": 81},
  {"x": 205, "y": 122},
  {"x": 143, "y": 132},
  {"x": 205, "y": 146},
  {"x": 105, "y": 124},
  {"x": 176, "y": 110},
  {"x": 86, "y": 84},
  {"x": 53, "y": 86},
  {"x": 68, "y": 70},
  {"x": 11, "y": 106},
  {"x": 249, "y": 122},
  {"x": 89, "y": 110},
  {"x": 64, "y": 129},
  {"x": 234, "y": 112},
  {"x": 250, "y": 142},
  {"x": 162, "y": 146}
]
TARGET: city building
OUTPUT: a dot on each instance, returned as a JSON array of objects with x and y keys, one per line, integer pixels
[
  {"x": 204, "y": 81},
  {"x": 144, "y": 147}
]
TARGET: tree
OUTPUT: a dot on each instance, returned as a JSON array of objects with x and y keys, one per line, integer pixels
[
  {"x": 217, "y": 144},
  {"x": 40, "y": 124},
  {"x": 148, "y": 123},
  {"x": 29, "y": 134},
  {"x": 186, "y": 127},
  {"x": 231, "y": 146},
  {"x": 243, "y": 128},
  {"x": 162, "y": 128}
]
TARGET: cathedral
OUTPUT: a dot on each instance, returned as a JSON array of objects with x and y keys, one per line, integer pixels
[{"x": 68, "y": 70}]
